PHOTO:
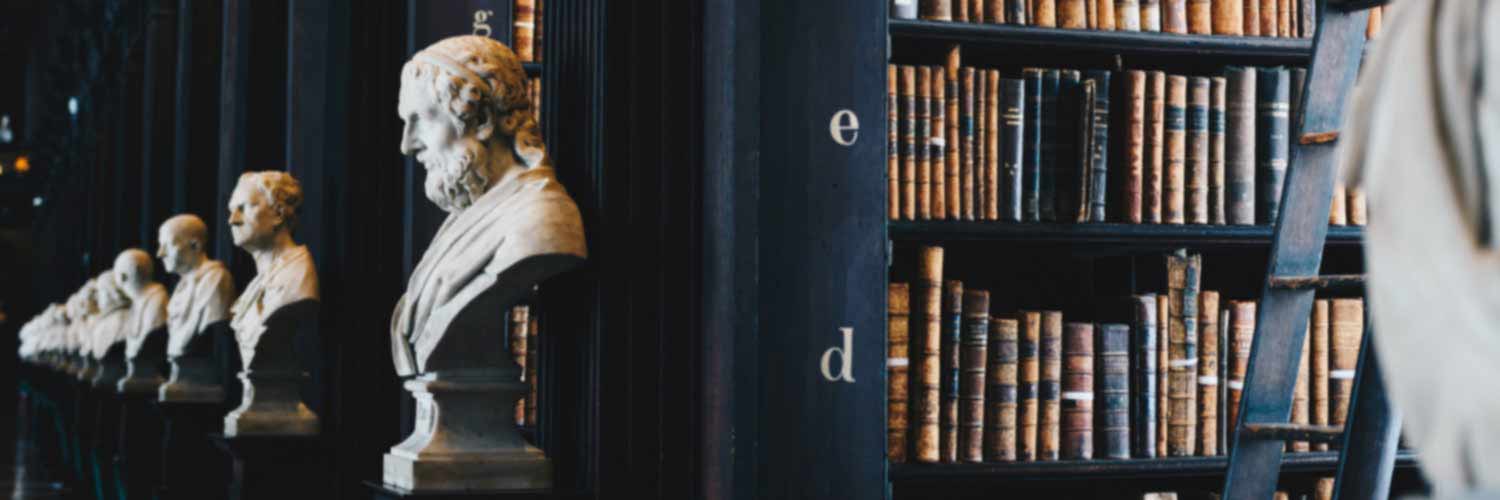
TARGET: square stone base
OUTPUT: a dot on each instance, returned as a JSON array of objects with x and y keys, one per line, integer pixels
[{"x": 500, "y": 471}]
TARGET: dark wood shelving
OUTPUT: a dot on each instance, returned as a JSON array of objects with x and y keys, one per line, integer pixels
[
  {"x": 1257, "y": 50},
  {"x": 1131, "y": 235},
  {"x": 1133, "y": 469},
  {"x": 532, "y": 69}
]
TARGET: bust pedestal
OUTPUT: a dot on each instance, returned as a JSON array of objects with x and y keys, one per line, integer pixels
[
  {"x": 276, "y": 467},
  {"x": 138, "y": 453},
  {"x": 192, "y": 466},
  {"x": 195, "y": 373},
  {"x": 271, "y": 399},
  {"x": 143, "y": 371},
  {"x": 464, "y": 439}
]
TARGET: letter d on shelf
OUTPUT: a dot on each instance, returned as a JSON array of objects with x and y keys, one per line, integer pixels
[{"x": 846, "y": 365}]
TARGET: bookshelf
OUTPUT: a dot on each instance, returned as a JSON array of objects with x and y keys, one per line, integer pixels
[
  {"x": 1229, "y": 49},
  {"x": 1134, "y": 236}
]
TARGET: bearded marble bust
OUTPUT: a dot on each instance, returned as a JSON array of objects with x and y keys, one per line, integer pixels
[
  {"x": 145, "y": 347},
  {"x": 201, "y": 300}
]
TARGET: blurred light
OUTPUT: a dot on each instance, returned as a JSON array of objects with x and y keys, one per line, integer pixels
[
  {"x": 2, "y": 169},
  {"x": 73, "y": 106},
  {"x": 23, "y": 164},
  {"x": 36, "y": 202}
]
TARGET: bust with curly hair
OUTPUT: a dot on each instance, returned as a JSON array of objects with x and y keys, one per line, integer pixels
[{"x": 262, "y": 214}]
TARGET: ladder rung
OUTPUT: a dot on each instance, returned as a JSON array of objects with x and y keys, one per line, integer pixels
[
  {"x": 1325, "y": 282},
  {"x": 1293, "y": 432}
]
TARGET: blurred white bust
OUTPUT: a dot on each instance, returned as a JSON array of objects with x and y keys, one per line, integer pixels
[
  {"x": 205, "y": 289},
  {"x": 148, "y": 299}
]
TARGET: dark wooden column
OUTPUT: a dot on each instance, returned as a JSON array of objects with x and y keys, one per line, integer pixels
[
  {"x": 196, "y": 143},
  {"x": 252, "y": 107},
  {"x": 128, "y": 145},
  {"x": 158, "y": 190}
]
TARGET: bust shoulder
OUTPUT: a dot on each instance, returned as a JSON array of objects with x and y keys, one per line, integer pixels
[{"x": 541, "y": 220}]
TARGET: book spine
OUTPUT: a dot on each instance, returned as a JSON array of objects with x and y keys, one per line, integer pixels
[
  {"x": 1358, "y": 209},
  {"x": 1150, "y": 15},
  {"x": 951, "y": 158},
  {"x": 972, "y": 359},
  {"x": 1031, "y": 150},
  {"x": 1069, "y": 146},
  {"x": 519, "y": 329},
  {"x": 1104, "y": 14},
  {"x": 1251, "y": 18},
  {"x": 1015, "y": 12},
  {"x": 1197, "y": 150},
  {"x": 1152, "y": 171},
  {"x": 937, "y": 10},
  {"x": 961, "y": 11},
  {"x": 923, "y": 127},
  {"x": 524, "y": 29},
  {"x": 1127, "y": 15},
  {"x": 1200, "y": 17},
  {"x": 1072, "y": 14},
  {"x": 1013, "y": 112},
  {"x": 926, "y": 348},
  {"x": 1044, "y": 14},
  {"x": 1338, "y": 209},
  {"x": 1324, "y": 489},
  {"x": 981, "y": 144},
  {"x": 994, "y": 11},
  {"x": 1134, "y": 152},
  {"x": 1239, "y": 150},
  {"x": 966, "y": 125},
  {"x": 533, "y": 353},
  {"x": 1174, "y": 16},
  {"x": 1346, "y": 319},
  {"x": 1299, "y": 397},
  {"x": 898, "y": 315},
  {"x": 1079, "y": 209},
  {"x": 1078, "y": 392},
  {"x": 952, "y": 328},
  {"x": 1226, "y": 355},
  {"x": 1182, "y": 277},
  {"x": 1318, "y": 379},
  {"x": 1051, "y": 80},
  {"x": 1114, "y": 390},
  {"x": 904, "y": 9},
  {"x": 1268, "y": 18},
  {"x": 1091, "y": 14},
  {"x": 1309, "y": 11},
  {"x": 1163, "y": 380},
  {"x": 1216, "y": 102},
  {"x": 1099, "y": 147},
  {"x": 1208, "y": 373},
  {"x": 908, "y": 90},
  {"x": 1243, "y": 325},
  {"x": 1049, "y": 388},
  {"x": 892, "y": 144},
  {"x": 1143, "y": 408},
  {"x": 536, "y": 43},
  {"x": 994, "y": 193},
  {"x": 1000, "y": 441},
  {"x": 1028, "y": 368},
  {"x": 1271, "y": 124},
  {"x": 1175, "y": 149},
  {"x": 1284, "y": 18},
  {"x": 1228, "y": 17},
  {"x": 937, "y": 145},
  {"x": 976, "y": 11}
]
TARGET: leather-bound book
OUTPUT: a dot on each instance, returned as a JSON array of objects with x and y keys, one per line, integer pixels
[
  {"x": 938, "y": 144},
  {"x": 892, "y": 144},
  {"x": 524, "y": 29},
  {"x": 923, "y": 127},
  {"x": 1079, "y": 208},
  {"x": 1072, "y": 14},
  {"x": 1216, "y": 101},
  {"x": 1049, "y": 388},
  {"x": 1153, "y": 168},
  {"x": 1252, "y": 18},
  {"x": 977, "y": 11},
  {"x": 1228, "y": 17},
  {"x": 1150, "y": 15},
  {"x": 1225, "y": 356},
  {"x": 1346, "y": 321},
  {"x": 961, "y": 11},
  {"x": 1182, "y": 351},
  {"x": 951, "y": 200},
  {"x": 1239, "y": 147},
  {"x": 1012, "y": 113},
  {"x": 1242, "y": 334},
  {"x": 1143, "y": 379},
  {"x": 1324, "y": 489},
  {"x": 1163, "y": 323},
  {"x": 1047, "y": 198},
  {"x": 1015, "y": 12},
  {"x": 971, "y": 384},
  {"x": 1338, "y": 209},
  {"x": 520, "y": 325},
  {"x": 1113, "y": 389},
  {"x": 1174, "y": 181},
  {"x": 1308, "y": 9},
  {"x": 1104, "y": 15},
  {"x": 533, "y": 353},
  {"x": 1127, "y": 15},
  {"x": 1028, "y": 374},
  {"x": 1174, "y": 16},
  {"x": 898, "y": 313},
  {"x": 926, "y": 350},
  {"x": 966, "y": 130},
  {"x": 994, "y": 194},
  {"x": 1070, "y": 146},
  {"x": 1358, "y": 210},
  {"x": 1269, "y": 14},
  {"x": 1200, "y": 17},
  {"x": 1044, "y": 13},
  {"x": 952, "y": 333},
  {"x": 937, "y": 10},
  {"x": 1318, "y": 372},
  {"x": 1099, "y": 147},
  {"x": 1133, "y": 150},
  {"x": 1271, "y": 123},
  {"x": 982, "y": 179},
  {"x": 1031, "y": 147},
  {"x": 1284, "y": 18},
  {"x": 1197, "y": 151},
  {"x": 904, "y": 9},
  {"x": 1300, "y": 414},
  {"x": 1077, "y": 426},
  {"x": 1000, "y": 441},
  {"x": 908, "y": 94},
  {"x": 1208, "y": 373}
]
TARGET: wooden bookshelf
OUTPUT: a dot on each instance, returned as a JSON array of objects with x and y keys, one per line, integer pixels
[
  {"x": 1222, "y": 49},
  {"x": 1149, "y": 236},
  {"x": 1324, "y": 463},
  {"x": 532, "y": 69}
]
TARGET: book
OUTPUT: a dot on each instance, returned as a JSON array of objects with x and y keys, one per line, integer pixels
[
  {"x": 898, "y": 307},
  {"x": 1225, "y": 355},
  {"x": 1174, "y": 180},
  {"x": 926, "y": 350},
  {"x": 1077, "y": 425},
  {"x": 1104, "y": 15},
  {"x": 961, "y": 12},
  {"x": 1012, "y": 111},
  {"x": 1182, "y": 351},
  {"x": 1163, "y": 320},
  {"x": 923, "y": 127},
  {"x": 1133, "y": 147},
  {"x": 937, "y": 10},
  {"x": 1252, "y": 18},
  {"x": 1323, "y": 490},
  {"x": 1200, "y": 17},
  {"x": 1300, "y": 413},
  {"x": 1216, "y": 102},
  {"x": 1309, "y": 11},
  {"x": 1031, "y": 147},
  {"x": 973, "y": 357},
  {"x": 1153, "y": 168},
  {"x": 1072, "y": 14},
  {"x": 982, "y": 172},
  {"x": 1338, "y": 209},
  {"x": 1098, "y": 170},
  {"x": 1239, "y": 146},
  {"x": 1127, "y": 15},
  {"x": 951, "y": 201},
  {"x": 1346, "y": 324},
  {"x": 977, "y": 12},
  {"x": 904, "y": 9},
  {"x": 1228, "y": 17},
  {"x": 1318, "y": 372},
  {"x": 937, "y": 145},
  {"x": 1284, "y": 18},
  {"x": 1113, "y": 389},
  {"x": 1358, "y": 210},
  {"x": 1015, "y": 12},
  {"x": 519, "y": 328},
  {"x": 533, "y": 354},
  {"x": 1174, "y": 16},
  {"x": 537, "y": 39},
  {"x": 994, "y": 193},
  {"x": 1044, "y": 14},
  {"x": 1197, "y": 151},
  {"x": 1049, "y": 387},
  {"x": 1070, "y": 147},
  {"x": 1143, "y": 407},
  {"x": 1268, "y": 16},
  {"x": 892, "y": 144},
  {"x": 951, "y": 333},
  {"x": 1208, "y": 373},
  {"x": 1028, "y": 375},
  {"x": 1242, "y": 335},
  {"x": 1000, "y": 442},
  {"x": 908, "y": 90},
  {"x": 1150, "y": 15},
  {"x": 1046, "y": 197},
  {"x": 966, "y": 131},
  {"x": 1271, "y": 123},
  {"x": 523, "y": 29}
]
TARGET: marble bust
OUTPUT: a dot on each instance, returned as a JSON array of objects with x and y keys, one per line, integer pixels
[
  {"x": 199, "y": 304},
  {"x": 38, "y": 334},
  {"x": 82, "y": 309},
  {"x": 510, "y": 225},
  {"x": 145, "y": 344},
  {"x": 109, "y": 329},
  {"x": 278, "y": 305}
]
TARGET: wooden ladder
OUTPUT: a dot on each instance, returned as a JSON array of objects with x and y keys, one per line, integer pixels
[{"x": 1369, "y": 438}]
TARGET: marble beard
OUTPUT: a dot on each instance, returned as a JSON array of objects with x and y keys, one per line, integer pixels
[
  {"x": 510, "y": 226},
  {"x": 199, "y": 305}
]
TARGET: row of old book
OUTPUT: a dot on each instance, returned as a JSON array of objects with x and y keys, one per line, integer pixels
[
  {"x": 526, "y": 30},
  {"x": 1052, "y": 145},
  {"x": 1268, "y": 18},
  {"x": 970, "y": 384},
  {"x": 1322, "y": 490},
  {"x": 523, "y": 333}
]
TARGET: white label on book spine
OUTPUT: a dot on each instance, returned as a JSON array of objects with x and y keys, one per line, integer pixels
[
  {"x": 1235, "y": 384},
  {"x": 1078, "y": 396},
  {"x": 1181, "y": 363},
  {"x": 1341, "y": 374},
  {"x": 897, "y": 362},
  {"x": 1208, "y": 380}
]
